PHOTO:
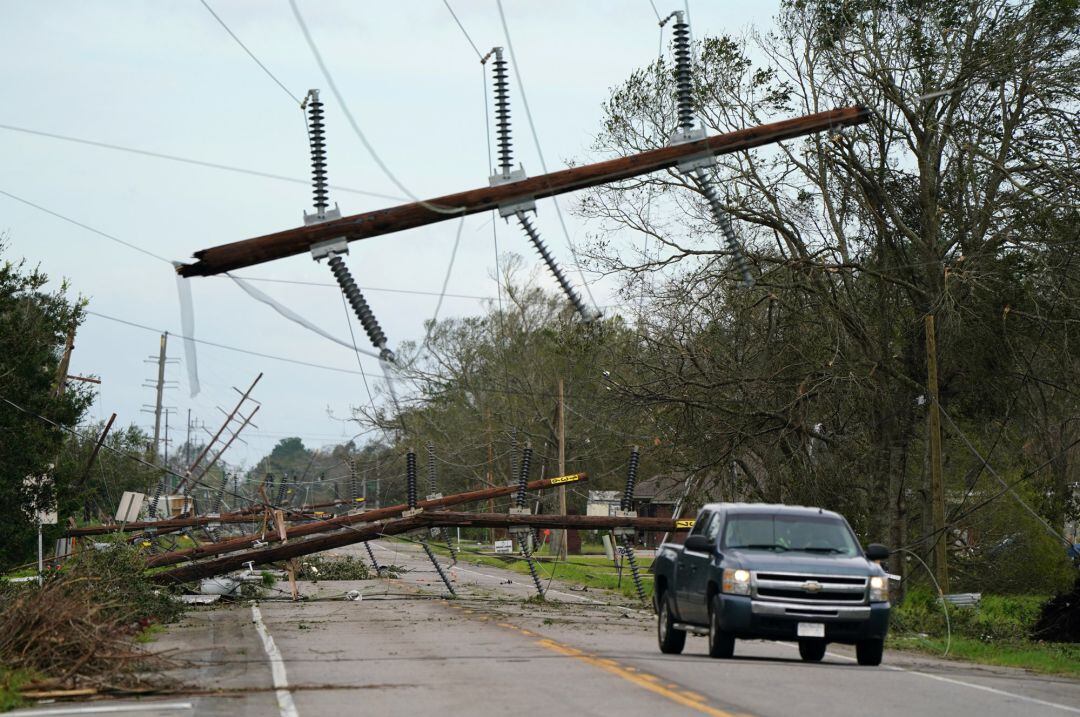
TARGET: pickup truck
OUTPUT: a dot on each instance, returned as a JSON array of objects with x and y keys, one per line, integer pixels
[{"x": 755, "y": 571}]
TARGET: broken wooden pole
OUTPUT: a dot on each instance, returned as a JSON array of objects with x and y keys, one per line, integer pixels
[
  {"x": 290, "y": 242},
  {"x": 352, "y": 535},
  {"x": 296, "y": 531}
]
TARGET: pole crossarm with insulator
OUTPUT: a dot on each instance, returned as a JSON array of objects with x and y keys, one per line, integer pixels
[{"x": 258, "y": 250}]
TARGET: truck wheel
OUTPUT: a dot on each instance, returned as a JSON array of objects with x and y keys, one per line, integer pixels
[
  {"x": 868, "y": 652},
  {"x": 811, "y": 650},
  {"x": 721, "y": 644},
  {"x": 671, "y": 639}
]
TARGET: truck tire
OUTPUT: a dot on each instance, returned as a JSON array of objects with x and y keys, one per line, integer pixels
[
  {"x": 868, "y": 652},
  {"x": 721, "y": 644},
  {"x": 672, "y": 640},
  {"x": 811, "y": 650}
]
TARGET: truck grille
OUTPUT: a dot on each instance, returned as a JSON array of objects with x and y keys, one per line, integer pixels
[{"x": 812, "y": 589}]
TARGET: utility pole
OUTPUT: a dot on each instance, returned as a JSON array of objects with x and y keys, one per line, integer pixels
[
  {"x": 562, "y": 468},
  {"x": 65, "y": 362},
  {"x": 160, "y": 392},
  {"x": 937, "y": 491}
]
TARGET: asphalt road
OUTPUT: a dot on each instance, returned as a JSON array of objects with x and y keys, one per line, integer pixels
[{"x": 404, "y": 650}]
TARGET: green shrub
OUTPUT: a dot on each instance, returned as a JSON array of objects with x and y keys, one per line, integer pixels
[{"x": 997, "y": 617}]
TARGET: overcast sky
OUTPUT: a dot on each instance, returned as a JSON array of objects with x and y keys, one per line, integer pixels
[{"x": 164, "y": 76}]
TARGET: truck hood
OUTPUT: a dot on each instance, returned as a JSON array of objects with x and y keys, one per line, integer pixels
[{"x": 796, "y": 562}]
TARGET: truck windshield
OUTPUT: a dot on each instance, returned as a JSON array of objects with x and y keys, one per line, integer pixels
[{"x": 805, "y": 533}]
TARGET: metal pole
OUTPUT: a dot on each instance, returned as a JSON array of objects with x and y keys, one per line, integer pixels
[
  {"x": 40, "y": 556},
  {"x": 160, "y": 392}
]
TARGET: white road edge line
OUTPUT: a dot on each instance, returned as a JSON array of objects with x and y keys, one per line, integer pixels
[
  {"x": 972, "y": 685},
  {"x": 277, "y": 666},
  {"x": 104, "y": 709}
]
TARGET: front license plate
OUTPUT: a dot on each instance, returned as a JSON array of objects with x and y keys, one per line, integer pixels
[{"x": 810, "y": 629}]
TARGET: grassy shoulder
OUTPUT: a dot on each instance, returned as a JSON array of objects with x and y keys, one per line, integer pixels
[
  {"x": 1051, "y": 658},
  {"x": 592, "y": 571},
  {"x": 995, "y": 632},
  {"x": 11, "y": 682}
]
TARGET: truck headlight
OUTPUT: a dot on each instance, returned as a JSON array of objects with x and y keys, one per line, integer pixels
[
  {"x": 736, "y": 581},
  {"x": 879, "y": 588}
]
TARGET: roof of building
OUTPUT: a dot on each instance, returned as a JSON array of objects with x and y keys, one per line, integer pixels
[{"x": 661, "y": 488}]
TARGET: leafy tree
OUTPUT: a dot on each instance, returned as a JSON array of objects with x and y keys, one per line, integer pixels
[{"x": 35, "y": 403}]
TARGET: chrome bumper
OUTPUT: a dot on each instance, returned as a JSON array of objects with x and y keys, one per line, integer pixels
[{"x": 772, "y": 608}]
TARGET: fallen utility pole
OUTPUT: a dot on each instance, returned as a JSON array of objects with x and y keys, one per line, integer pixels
[
  {"x": 279, "y": 245},
  {"x": 351, "y": 536},
  {"x": 208, "y": 446},
  {"x": 322, "y": 526}
]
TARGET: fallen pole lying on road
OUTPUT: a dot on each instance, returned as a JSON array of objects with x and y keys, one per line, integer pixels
[
  {"x": 352, "y": 535},
  {"x": 244, "y": 541}
]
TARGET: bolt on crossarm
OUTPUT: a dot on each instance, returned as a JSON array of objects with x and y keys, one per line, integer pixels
[
  {"x": 334, "y": 249},
  {"x": 688, "y": 131},
  {"x": 505, "y": 173}
]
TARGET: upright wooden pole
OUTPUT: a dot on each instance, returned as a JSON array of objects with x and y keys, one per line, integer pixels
[
  {"x": 937, "y": 490},
  {"x": 562, "y": 468}
]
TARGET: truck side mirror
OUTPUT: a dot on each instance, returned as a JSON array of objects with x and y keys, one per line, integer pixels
[
  {"x": 877, "y": 551},
  {"x": 698, "y": 544}
]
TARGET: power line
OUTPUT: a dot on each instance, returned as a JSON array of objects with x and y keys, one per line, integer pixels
[
  {"x": 327, "y": 284},
  {"x": 188, "y": 160},
  {"x": 540, "y": 152},
  {"x": 87, "y": 227},
  {"x": 463, "y": 30},
  {"x": 250, "y": 53},
  {"x": 352, "y": 120},
  {"x": 225, "y": 346}
]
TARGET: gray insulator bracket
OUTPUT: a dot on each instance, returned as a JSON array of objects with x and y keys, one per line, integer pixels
[
  {"x": 410, "y": 513},
  {"x": 625, "y": 530},
  {"x": 310, "y": 219},
  {"x": 329, "y": 248},
  {"x": 434, "y": 496},
  {"x": 527, "y": 204},
  {"x": 520, "y": 529}
]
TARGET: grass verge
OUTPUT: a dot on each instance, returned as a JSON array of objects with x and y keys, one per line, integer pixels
[
  {"x": 592, "y": 571},
  {"x": 1050, "y": 658}
]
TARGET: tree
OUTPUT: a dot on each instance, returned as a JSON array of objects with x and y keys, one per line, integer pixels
[
  {"x": 812, "y": 383},
  {"x": 36, "y": 405}
]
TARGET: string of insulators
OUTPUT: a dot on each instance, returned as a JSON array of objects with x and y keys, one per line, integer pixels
[
  {"x": 631, "y": 479},
  {"x": 352, "y": 481},
  {"x": 158, "y": 490},
  {"x": 527, "y": 553},
  {"x": 281, "y": 490},
  {"x": 438, "y": 567},
  {"x": 683, "y": 73},
  {"x": 371, "y": 556},
  {"x": 705, "y": 182},
  {"x": 360, "y": 307},
  {"x": 219, "y": 498},
  {"x": 410, "y": 478},
  {"x": 317, "y": 140},
  {"x": 431, "y": 468},
  {"x": 635, "y": 571},
  {"x": 513, "y": 452},
  {"x": 523, "y": 475},
  {"x": 553, "y": 266},
  {"x": 502, "y": 113}
]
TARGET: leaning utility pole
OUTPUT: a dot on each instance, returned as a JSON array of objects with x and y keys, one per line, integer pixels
[
  {"x": 160, "y": 394},
  {"x": 937, "y": 491}
]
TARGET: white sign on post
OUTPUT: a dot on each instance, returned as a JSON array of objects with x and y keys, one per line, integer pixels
[
  {"x": 130, "y": 505},
  {"x": 504, "y": 546}
]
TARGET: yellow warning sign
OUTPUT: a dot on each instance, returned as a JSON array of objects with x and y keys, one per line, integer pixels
[
  {"x": 573, "y": 477},
  {"x": 684, "y": 523}
]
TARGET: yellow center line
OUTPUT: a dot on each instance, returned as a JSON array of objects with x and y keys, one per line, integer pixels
[{"x": 638, "y": 678}]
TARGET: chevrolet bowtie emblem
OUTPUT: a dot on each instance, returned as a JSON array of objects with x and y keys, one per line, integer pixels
[{"x": 811, "y": 586}]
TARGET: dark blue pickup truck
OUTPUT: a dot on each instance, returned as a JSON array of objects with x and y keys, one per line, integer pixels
[{"x": 755, "y": 571}]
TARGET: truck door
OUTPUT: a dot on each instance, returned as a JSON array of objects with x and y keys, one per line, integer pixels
[{"x": 692, "y": 575}]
